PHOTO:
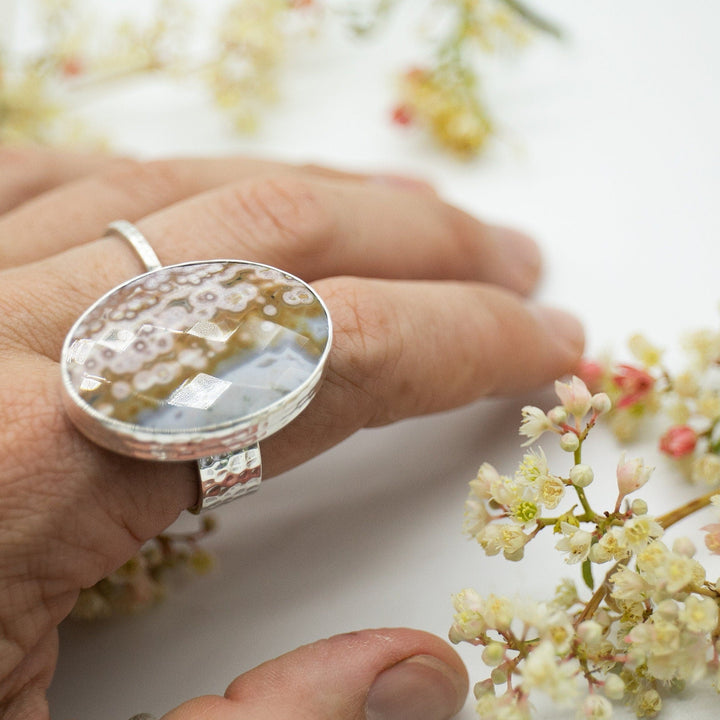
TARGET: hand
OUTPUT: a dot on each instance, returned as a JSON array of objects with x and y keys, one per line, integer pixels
[{"x": 428, "y": 312}]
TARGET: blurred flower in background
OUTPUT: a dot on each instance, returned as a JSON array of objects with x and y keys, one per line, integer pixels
[{"x": 237, "y": 49}]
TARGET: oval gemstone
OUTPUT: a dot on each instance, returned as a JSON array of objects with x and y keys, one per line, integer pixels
[{"x": 190, "y": 347}]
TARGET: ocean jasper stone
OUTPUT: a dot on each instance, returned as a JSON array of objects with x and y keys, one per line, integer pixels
[{"x": 195, "y": 359}]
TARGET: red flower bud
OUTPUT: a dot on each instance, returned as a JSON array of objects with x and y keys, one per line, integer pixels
[{"x": 678, "y": 441}]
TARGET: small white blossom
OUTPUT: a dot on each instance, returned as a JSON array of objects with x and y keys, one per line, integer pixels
[
  {"x": 534, "y": 466},
  {"x": 559, "y": 630},
  {"x": 611, "y": 546},
  {"x": 551, "y": 491},
  {"x": 498, "y": 612},
  {"x": 706, "y": 469},
  {"x": 640, "y": 531},
  {"x": 503, "y": 707},
  {"x": 628, "y": 585},
  {"x": 566, "y": 594},
  {"x": 469, "y": 622},
  {"x": 534, "y": 423},
  {"x": 543, "y": 670},
  {"x": 506, "y": 537},
  {"x": 675, "y": 574},
  {"x": 700, "y": 615},
  {"x": 476, "y": 516},
  {"x": 481, "y": 485},
  {"x": 575, "y": 542}
]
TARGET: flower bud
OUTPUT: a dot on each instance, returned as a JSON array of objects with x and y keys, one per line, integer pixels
[
  {"x": 493, "y": 654},
  {"x": 569, "y": 442},
  {"x": 614, "y": 686},
  {"x": 595, "y": 707},
  {"x": 485, "y": 687},
  {"x": 581, "y": 475},
  {"x": 639, "y": 507},
  {"x": 590, "y": 632},
  {"x": 558, "y": 415},
  {"x": 599, "y": 554},
  {"x": 684, "y": 546},
  {"x": 631, "y": 475},
  {"x": 498, "y": 676},
  {"x": 574, "y": 396},
  {"x": 678, "y": 441},
  {"x": 601, "y": 403},
  {"x": 649, "y": 703}
]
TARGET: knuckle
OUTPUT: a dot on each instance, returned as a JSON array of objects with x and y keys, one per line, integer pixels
[
  {"x": 367, "y": 343},
  {"x": 155, "y": 182},
  {"x": 287, "y": 209}
]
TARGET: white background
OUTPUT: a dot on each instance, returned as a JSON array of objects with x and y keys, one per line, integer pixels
[{"x": 608, "y": 154}]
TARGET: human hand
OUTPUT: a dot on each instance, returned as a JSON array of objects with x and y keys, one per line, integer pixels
[{"x": 428, "y": 313}]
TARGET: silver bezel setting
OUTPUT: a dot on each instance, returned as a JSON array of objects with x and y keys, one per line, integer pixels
[{"x": 174, "y": 445}]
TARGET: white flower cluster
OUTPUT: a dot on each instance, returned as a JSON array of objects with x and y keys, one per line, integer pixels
[{"x": 652, "y": 622}]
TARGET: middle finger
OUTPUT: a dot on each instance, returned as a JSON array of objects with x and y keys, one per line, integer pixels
[{"x": 312, "y": 228}]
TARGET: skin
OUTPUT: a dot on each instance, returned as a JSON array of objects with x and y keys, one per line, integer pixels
[{"x": 400, "y": 270}]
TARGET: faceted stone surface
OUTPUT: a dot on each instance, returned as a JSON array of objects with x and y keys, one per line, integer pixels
[{"x": 189, "y": 347}]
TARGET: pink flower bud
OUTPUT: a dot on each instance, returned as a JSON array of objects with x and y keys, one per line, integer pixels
[
  {"x": 574, "y": 396},
  {"x": 631, "y": 475},
  {"x": 591, "y": 373},
  {"x": 634, "y": 383},
  {"x": 678, "y": 441}
]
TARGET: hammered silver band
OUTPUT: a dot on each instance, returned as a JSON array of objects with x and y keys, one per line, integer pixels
[
  {"x": 128, "y": 232},
  {"x": 222, "y": 477}
]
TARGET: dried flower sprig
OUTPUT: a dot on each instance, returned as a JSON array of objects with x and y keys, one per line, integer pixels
[
  {"x": 652, "y": 623},
  {"x": 685, "y": 404},
  {"x": 143, "y": 580},
  {"x": 444, "y": 96},
  {"x": 247, "y": 47}
]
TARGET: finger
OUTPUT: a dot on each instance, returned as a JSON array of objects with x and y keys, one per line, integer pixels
[
  {"x": 400, "y": 349},
  {"x": 317, "y": 227},
  {"x": 311, "y": 228},
  {"x": 64, "y": 213},
  {"x": 370, "y": 675},
  {"x": 28, "y": 172},
  {"x": 414, "y": 348}
]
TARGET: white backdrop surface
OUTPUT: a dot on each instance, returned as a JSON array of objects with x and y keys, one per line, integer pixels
[{"x": 608, "y": 154}]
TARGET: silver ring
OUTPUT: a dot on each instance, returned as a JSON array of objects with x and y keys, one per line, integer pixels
[
  {"x": 128, "y": 232},
  {"x": 196, "y": 361}
]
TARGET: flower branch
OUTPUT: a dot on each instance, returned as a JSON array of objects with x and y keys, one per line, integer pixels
[{"x": 653, "y": 621}]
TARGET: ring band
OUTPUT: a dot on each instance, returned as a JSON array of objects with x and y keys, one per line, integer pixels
[
  {"x": 196, "y": 361},
  {"x": 128, "y": 232}
]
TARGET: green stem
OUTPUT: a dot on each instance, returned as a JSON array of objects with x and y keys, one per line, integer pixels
[{"x": 533, "y": 18}]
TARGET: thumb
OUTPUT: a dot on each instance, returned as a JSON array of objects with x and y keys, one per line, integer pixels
[{"x": 396, "y": 674}]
